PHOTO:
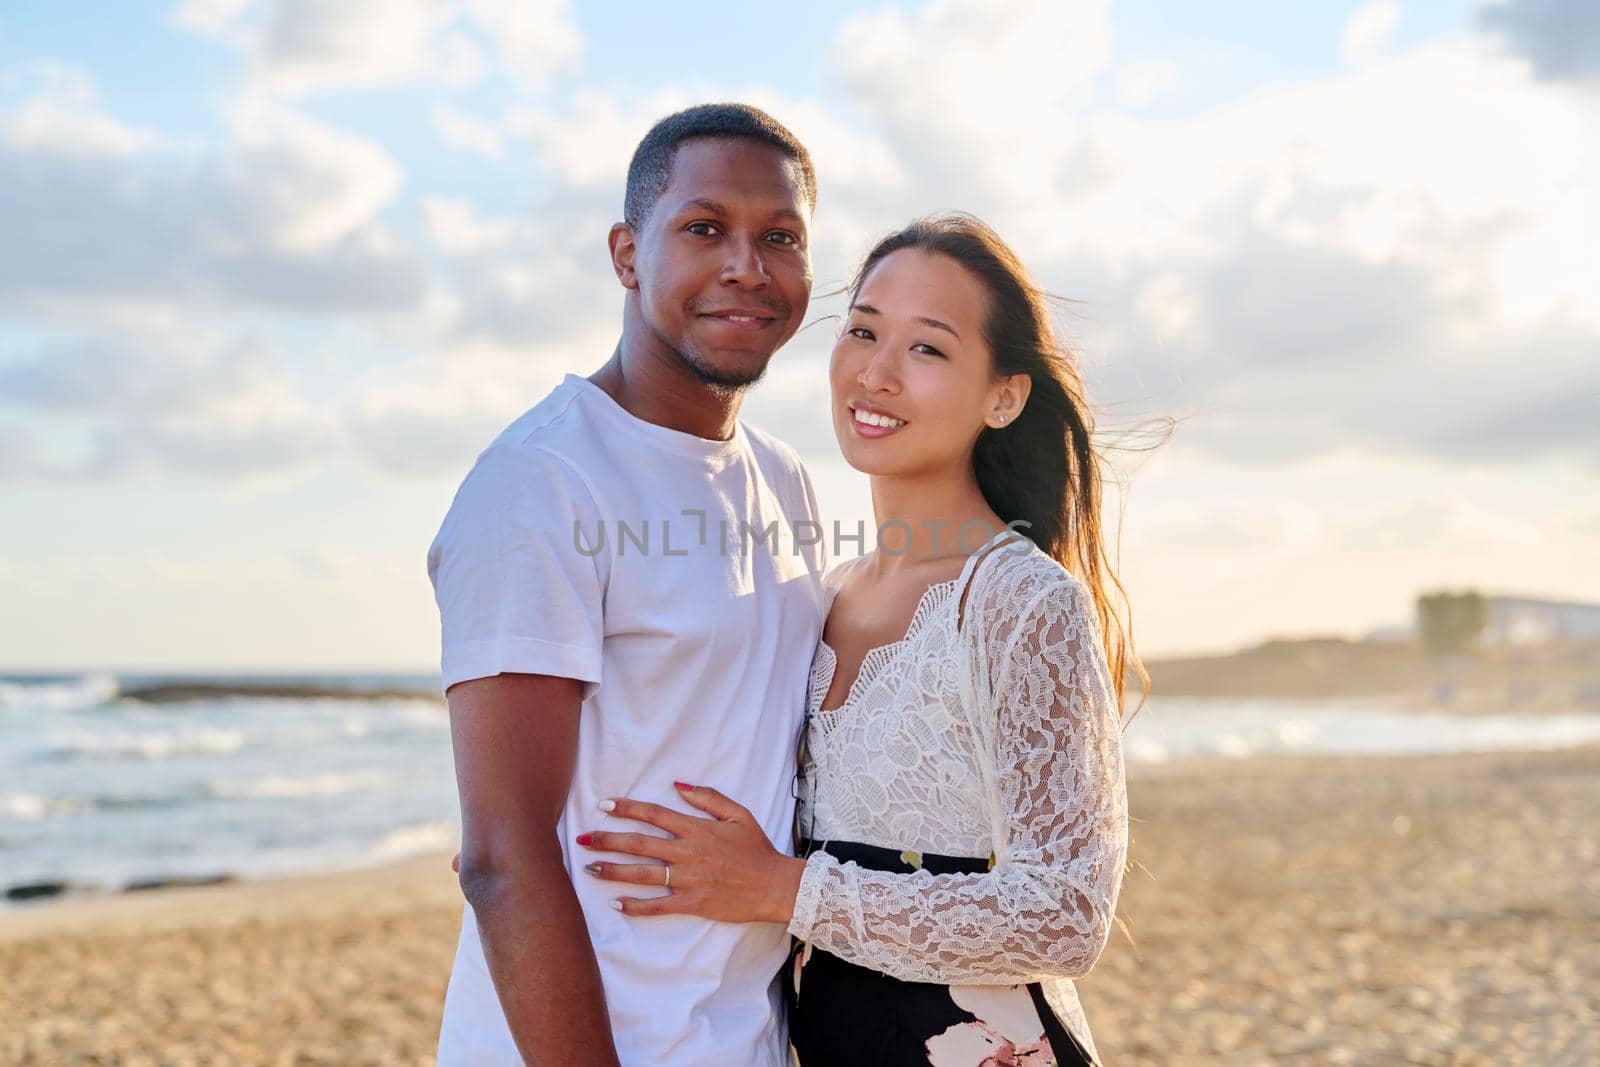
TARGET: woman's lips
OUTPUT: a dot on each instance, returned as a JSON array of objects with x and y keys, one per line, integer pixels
[{"x": 873, "y": 430}]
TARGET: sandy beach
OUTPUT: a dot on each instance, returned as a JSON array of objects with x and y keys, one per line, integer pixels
[{"x": 1283, "y": 910}]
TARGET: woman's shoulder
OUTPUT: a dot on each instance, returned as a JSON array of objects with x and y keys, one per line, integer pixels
[
  {"x": 1013, "y": 577},
  {"x": 834, "y": 578}
]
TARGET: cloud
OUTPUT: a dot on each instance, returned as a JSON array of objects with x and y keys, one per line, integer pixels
[
  {"x": 973, "y": 106},
  {"x": 1367, "y": 32},
  {"x": 21, "y": 454},
  {"x": 467, "y": 134},
  {"x": 1294, "y": 282},
  {"x": 1560, "y": 39},
  {"x": 542, "y": 278},
  {"x": 431, "y": 418},
  {"x": 535, "y": 38},
  {"x": 1298, "y": 283},
  {"x": 283, "y": 215},
  {"x": 1141, "y": 83},
  {"x": 130, "y": 375},
  {"x": 1278, "y": 352},
  {"x": 164, "y": 402},
  {"x": 298, "y": 47}
]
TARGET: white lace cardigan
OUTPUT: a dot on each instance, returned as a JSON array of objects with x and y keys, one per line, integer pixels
[{"x": 996, "y": 734}]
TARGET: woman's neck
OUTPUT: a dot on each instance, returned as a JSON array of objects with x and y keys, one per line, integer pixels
[{"x": 921, "y": 518}]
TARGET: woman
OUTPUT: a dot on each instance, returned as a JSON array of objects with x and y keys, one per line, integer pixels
[{"x": 962, "y": 815}]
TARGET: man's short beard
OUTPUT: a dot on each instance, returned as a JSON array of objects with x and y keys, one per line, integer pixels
[{"x": 721, "y": 383}]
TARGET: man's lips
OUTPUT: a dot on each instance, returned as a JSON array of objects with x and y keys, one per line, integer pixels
[{"x": 740, "y": 319}]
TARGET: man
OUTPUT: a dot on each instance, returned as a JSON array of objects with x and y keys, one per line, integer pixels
[{"x": 629, "y": 591}]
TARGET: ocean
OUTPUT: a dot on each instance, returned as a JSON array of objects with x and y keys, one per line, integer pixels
[{"x": 110, "y": 782}]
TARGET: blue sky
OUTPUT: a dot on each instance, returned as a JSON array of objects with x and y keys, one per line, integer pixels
[{"x": 272, "y": 271}]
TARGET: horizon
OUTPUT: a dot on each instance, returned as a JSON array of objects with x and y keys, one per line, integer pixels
[{"x": 1373, "y": 635}]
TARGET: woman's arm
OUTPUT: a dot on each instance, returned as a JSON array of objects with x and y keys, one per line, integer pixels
[{"x": 1046, "y": 908}]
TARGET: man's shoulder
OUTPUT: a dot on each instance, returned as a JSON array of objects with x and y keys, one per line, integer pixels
[
  {"x": 543, "y": 445},
  {"x": 552, "y": 424}
]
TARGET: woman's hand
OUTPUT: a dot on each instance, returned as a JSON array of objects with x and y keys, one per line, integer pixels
[{"x": 722, "y": 868}]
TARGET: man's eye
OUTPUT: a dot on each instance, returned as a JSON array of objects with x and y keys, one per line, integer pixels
[
  {"x": 701, "y": 229},
  {"x": 783, "y": 237}
]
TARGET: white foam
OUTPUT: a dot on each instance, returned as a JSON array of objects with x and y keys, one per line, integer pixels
[
  {"x": 1191, "y": 729},
  {"x": 316, "y": 785},
  {"x": 127, "y": 745},
  {"x": 23, "y": 807},
  {"x": 413, "y": 839},
  {"x": 76, "y": 694}
]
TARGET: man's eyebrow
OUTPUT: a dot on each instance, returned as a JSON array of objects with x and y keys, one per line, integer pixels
[
  {"x": 868, "y": 309},
  {"x": 703, "y": 204},
  {"x": 711, "y": 207}
]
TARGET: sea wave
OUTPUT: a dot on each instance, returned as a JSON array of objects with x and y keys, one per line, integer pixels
[
  {"x": 187, "y": 691},
  {"x": 316, "y": 785},
  {"x": 59, "y": 694},
  {"x": 83, "y": 745},
  {"x": 30, "y": 807},
  {"x": 414, "y": 838},
  {"x": 1217, "y": 729}
]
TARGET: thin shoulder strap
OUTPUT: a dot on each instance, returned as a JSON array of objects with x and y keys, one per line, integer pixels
[{"x": 970, "y": 570}]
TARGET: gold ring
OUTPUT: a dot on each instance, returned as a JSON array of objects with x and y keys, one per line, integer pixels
[{"x": 666, "y": 876}]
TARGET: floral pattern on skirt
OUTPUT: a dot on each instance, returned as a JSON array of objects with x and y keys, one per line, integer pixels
[{"x": 841, "y": 1014}]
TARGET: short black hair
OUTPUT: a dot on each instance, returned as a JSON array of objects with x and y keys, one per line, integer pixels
[{"x": 650, "y": 172}]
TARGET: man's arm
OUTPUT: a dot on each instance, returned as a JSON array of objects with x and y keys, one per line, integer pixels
[{"x": 516, "y": 741}]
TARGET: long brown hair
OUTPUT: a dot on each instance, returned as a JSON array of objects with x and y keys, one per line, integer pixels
[{"x": 1043, "y": 468}]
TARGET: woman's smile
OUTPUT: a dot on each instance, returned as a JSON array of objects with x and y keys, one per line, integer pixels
[{"x": 873, "y": 423}]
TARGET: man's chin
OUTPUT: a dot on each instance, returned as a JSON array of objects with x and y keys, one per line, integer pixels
[{"x": 728, "y": 371}]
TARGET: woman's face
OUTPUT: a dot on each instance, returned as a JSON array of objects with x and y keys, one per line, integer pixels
[{"x": 911, "y": 374}]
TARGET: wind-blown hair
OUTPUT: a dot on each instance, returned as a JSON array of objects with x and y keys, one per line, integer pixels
[{"x": 1042, "y": 468}]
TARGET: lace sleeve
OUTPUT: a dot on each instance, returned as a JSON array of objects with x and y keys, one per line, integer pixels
[{"x": 1045, "y": 908}]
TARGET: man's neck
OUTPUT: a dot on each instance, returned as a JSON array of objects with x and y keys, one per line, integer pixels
[{"x": 653, "y": 384}]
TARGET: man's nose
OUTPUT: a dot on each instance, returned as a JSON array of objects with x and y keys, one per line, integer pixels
[{"x": 745, "y": 265}]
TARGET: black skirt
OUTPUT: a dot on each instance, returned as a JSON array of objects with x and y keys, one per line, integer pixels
[{"x": 841, "y": 1014}]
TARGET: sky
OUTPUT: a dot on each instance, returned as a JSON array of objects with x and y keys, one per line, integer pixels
[{"x": 272, "y": 272}]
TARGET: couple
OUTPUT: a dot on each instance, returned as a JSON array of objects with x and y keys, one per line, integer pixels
[{"x": 638, "y": 624}]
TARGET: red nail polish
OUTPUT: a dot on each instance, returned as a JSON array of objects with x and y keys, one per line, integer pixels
[
  {"x": 685, "y": 786},
  {"x": 585, "y": 839}
]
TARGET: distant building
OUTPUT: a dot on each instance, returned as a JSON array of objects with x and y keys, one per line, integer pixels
[
  {"x": 1516, "y": 620},
  {"x": 1524, "y": 621}
]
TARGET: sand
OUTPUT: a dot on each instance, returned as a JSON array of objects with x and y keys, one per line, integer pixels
[{"x": 1304, "y": 910}]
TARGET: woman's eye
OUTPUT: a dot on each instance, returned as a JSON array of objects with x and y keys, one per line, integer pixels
[
  {"x": 928, "y": 349},
  {"x": 860, "y": 332},
  {"x": 701, "y": 229}
]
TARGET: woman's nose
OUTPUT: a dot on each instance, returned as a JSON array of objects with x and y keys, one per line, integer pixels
[{"x": 879, "y": 374}]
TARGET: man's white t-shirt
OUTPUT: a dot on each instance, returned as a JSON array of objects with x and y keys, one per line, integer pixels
[{"x": 586, "y": 543}]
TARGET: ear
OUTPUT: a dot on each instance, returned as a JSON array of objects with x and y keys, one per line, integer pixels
[
  {"x": 624, "y": 249},
  {"x": 1007, "y": 399}
]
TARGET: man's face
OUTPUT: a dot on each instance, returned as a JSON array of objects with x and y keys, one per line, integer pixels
[{"x": 723, "y": 265}]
